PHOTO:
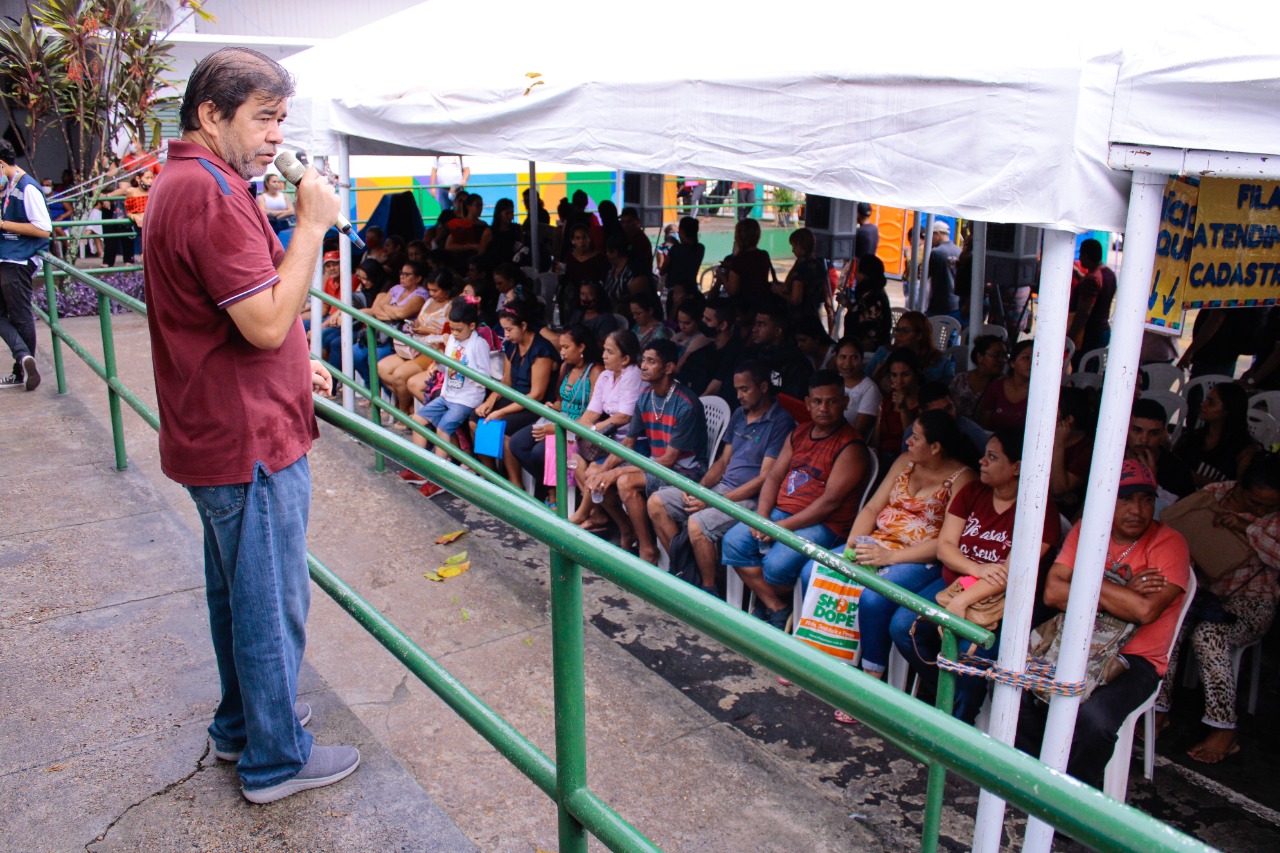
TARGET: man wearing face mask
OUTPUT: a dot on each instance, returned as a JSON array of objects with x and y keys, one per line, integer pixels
[{"x": 24, "y": 232}]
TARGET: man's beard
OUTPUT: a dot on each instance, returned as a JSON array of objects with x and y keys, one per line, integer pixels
[{"x": 247, "y": 165}]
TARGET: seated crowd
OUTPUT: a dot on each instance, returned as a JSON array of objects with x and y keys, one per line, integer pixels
[{"x": 644, "y": 354}]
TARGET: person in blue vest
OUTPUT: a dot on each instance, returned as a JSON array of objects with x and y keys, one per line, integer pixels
[{"x": 24, "y": 231}]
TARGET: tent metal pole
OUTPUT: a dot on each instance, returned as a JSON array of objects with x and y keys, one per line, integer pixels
[
  {"x": 977, "y": 284},
  {"x": 1134, "y": 285},
  {"x": 317, "y": 282},
  {"x": 923, "y": 288},
  {"x": 533, "y": 215},
  {"x": 1033, "y": 495},
  {"x": 910, "y": 279},
  {"x": 344, "y": 271}
]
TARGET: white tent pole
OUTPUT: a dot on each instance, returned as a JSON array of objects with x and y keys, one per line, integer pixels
[
  {"x": 533, "y": 214},
  {"x": 1133, "y": 287},
  {"x": 344, "y": 268},
  {"x": 317, "y": 281},
  {"x": 923, "y": 290},
  {"x": 1033, "y": 494},
  {"x": 977, "y": 284},
  {"x": 910, "y": 278}
]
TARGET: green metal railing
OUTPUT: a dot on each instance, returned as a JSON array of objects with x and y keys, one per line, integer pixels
[{"x": 928, "y": 734}]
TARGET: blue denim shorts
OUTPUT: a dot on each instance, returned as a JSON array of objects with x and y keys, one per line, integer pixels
[{"x": 445, "y": 416}]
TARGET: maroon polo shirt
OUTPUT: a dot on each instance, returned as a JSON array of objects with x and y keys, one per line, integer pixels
[{"x": 224, "y": 403}]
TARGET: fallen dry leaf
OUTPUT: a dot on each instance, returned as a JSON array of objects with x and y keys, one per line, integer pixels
[
  {"x": 446, "y": 538},
  {"x": 460, "y": 557},
  {"x": 454, "y": 570},
  {"x": 432, "y": 576},
  {"x": 54, "y": 768}
]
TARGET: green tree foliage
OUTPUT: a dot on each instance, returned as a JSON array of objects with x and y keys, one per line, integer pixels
[{"x": 93, "y": 70}]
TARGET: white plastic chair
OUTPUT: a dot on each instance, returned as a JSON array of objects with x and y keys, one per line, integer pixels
[
  {"x": 1163, "y": 377},
  {"x": 1069, "y": 350},
  {"x": 1083, "y": 380},
  {"x": 1094, "y": 361},
  {"x": 1175, "y": 407},
  {"x": 717, "y": 412},
  {"x": 1263, "y": 428},
  {"x": 946, "y": 331},
  {"x": 999, "y": 331},
  {"x": 1115, "y": 779},
  {"x": 1267, "y": 401},
  {"x": 1204, "y": 383}
]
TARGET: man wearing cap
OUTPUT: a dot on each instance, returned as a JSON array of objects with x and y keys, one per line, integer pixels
[
  {"x": 24, "y": 232},
  {"x": 1155, "y": 566},
  {"x": 942, "y": 273}
]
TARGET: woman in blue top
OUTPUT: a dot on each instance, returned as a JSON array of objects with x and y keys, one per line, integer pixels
[
  {"x": 580, "y": 366},
  {"x": 530, "y": 360}
]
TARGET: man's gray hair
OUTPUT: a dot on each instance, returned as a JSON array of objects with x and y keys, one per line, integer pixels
[{"x": 228, "y": 78}]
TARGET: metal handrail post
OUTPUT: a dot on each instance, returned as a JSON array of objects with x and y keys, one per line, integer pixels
[
  {"x": 55, "y": 329},
  {"x": 375, "y": 391},
  {"x": 109, "y": 365},
  {"x": 567, "y": 649},
  {"x": 936, "y": 786}
]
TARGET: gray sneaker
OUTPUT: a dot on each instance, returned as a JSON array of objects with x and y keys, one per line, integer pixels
[
  {"x": 301, "y": 710},
  {"x": 31, "y": 375},
  {"x": 328, "y": 764}
]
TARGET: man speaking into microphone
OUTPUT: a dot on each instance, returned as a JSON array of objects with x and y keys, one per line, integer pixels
[{"x": 234, "y": 383}]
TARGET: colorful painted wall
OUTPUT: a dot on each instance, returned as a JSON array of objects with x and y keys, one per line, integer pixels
[{"x": 552, "y": 186}]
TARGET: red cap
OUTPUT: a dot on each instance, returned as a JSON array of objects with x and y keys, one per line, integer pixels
[
  {"x": 332, "y": 256},
  {"x": 1134, "y": 478}
]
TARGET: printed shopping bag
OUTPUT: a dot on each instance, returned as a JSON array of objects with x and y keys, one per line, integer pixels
[
  {"x": 829, "y": 616},
  {"x": 489, "y": 436},
  {"x": 549, "y": 462}
]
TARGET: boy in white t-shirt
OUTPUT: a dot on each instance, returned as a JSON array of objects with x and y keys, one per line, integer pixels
[{"x": 460, "y": 394}]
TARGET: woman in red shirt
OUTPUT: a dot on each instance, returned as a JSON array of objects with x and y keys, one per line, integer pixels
[{"x": 974, "y": 546}]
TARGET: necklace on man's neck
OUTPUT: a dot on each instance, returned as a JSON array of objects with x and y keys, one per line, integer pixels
[{"x": 653, "y": 403}]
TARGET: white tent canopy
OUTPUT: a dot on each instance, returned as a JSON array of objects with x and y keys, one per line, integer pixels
[
  {"x": 994, "y": 119},
  {"x": 1202, "y": 83}
]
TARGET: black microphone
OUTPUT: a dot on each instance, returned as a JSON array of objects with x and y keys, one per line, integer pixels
[{"x": 293, "y": 170}]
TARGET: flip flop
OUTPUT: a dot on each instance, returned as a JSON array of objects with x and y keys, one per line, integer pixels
[
  {"x": 844, "y": 719},
  {"x": 1212, "y": 756}
]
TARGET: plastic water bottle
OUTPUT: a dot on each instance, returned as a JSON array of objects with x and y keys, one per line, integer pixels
[{"x": 555, "y": 315}]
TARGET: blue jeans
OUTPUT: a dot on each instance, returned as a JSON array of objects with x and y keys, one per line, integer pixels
[
  {"x": 781, "y": 564},
  {"x": 360, "y": 358},
  {"x": 877, "y": 614},
  {"x": 258, "y": 590},
  {"x": 922, "y": 650}
]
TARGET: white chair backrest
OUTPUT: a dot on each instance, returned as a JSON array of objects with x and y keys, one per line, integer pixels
[
  {"x": 946, "y": 331},
  {"x": 999, "y": 331},
  {"x": 1069, "y": 349},
  {"x": 1083, "y": 380},
  {"x": 717, "y": 412},
  {"x": 873, "y": 477},
  {"x": 1263, "y": 428},
  {"x": 1267, "y": 401},
  {"x": 895, "y": 314},
  {"x": 1163, "y": 377},
  {"x": 1186, "y": 605},
  {"x": 1094, "y": 361},
  {"x": 1175, "y": 406},
  {"x": 1204, "y": 383}
]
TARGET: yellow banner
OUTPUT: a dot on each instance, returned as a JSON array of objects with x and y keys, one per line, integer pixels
[
  {"x": 1173, "y": 257},
  {"x": 1235, "y": 251}
]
